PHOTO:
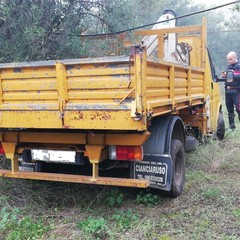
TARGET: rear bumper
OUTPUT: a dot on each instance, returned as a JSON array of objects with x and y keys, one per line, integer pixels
[{"x": 125, "y": 182}]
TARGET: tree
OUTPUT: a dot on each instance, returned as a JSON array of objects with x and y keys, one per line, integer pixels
[
  {"x": 32, "y": 30},
  {"x": 50, "y": 29}
]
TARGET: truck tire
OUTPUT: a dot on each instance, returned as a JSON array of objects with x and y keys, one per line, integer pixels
[
  {"x": 178, "y": 170},
  {"x": 191, "y": 143},
  {"x": 220, "y": 133}
]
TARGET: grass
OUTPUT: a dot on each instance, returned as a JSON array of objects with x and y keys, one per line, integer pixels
[
  {"x": 207, "y": 209},
  {"x": 14, "y": 226}
]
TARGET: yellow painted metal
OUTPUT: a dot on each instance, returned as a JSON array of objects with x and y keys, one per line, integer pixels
[
  {"x": 127, "y": 139},
  {"x": 201, "y": 81},
  {"x": 15, "y": 164},
  {"x": 94, "y": 153},
  {"x": 40, "y": 84},
  {"x": 29, "y": 73},
  {"x": 203, "y": 42},
  {"x": 61, "y": 76},
  {"x": 187, "y": 29},
  {"x": 95, "y": 171},
  {"x": 1, "y": 93},
  {"x": 189, "y": 85},
  {"x": 213, "y": 91},
  {"x": 30, "y": 119},
  {"x": 160, "y": 46},
  {"x": 130, "y": 139},
  {"x": 127, "y": 95},
  {"x": 9, "y": 149},
  {"x": 125, "y": 182},
  {"x": 140, "y": 78},
  {"x": 104, "y": 120},
  {"x": 172, "y": 85}
]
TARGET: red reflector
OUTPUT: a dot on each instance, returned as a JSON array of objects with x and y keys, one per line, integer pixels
[
  {"x": 1, "y": 150},
  {"x": 129, "y": 153}
]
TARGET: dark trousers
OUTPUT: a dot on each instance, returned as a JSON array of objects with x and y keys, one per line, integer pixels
[{"x": 232, "y": 101}]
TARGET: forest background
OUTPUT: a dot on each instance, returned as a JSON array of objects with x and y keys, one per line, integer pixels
[
  {"x": 43, "y": 30},
  {"x": 209, "y": 206}
]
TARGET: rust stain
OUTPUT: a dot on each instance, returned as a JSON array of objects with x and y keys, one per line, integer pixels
[
  {"x": 78, "y": 115},
  {"x": 101, "y": 116}
]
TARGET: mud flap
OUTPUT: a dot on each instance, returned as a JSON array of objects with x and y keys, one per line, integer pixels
[{"x": 156, "y": 169}]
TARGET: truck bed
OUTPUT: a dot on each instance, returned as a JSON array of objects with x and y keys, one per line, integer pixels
[{"x": 108, "y": 93}]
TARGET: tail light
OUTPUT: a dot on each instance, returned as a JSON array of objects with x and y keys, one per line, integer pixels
[
  {"x": 1, "y": 150},
  {"x": 130, "y": 153}
]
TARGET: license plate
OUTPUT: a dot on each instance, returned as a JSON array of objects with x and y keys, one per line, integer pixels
[
  {"x": 53, "y": 155},
  {"x": 157, "y": 170}
]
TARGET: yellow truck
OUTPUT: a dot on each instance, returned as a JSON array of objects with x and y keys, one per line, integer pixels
[{"x": 115, "y": 120}]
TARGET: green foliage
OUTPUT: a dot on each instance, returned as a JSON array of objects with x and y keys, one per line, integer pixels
[
  {"x": 125, "y": 219},
  {"x": 40, "y": 30},
  {"x": 230, "y": 238},
  {"x": 147, "y": 199},
  {"x": 4, "y": 163},
  {"x": 29, "y": 229},
  {"x": 114, "y": 198},
  {"x": 13, "y": 226},
  {"x": 8, "y": 218},
  {"x": 96, "y": 227},
  {"x": 215, "y": 156},
  {"x": 237, "y": 213},
  {"x": 212, "y": 193},
  {"x": 165, "y": 237}
]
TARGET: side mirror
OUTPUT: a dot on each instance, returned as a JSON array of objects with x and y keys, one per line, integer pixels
[
  {"x": 229, "y": 76},
  {"x": 215, "y": 78}
]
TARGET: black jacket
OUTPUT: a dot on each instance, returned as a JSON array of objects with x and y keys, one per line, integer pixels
[{"x": 236, "y": 80}]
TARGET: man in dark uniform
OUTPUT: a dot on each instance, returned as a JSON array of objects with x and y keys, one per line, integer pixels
[{"x": 232, "y": 89}]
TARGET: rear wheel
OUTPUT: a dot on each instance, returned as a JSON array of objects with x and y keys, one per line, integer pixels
[
  {"x": 178, "y": 168},
  {"x": 191, "y": 143},
  {"x": 220, "y": 133}
]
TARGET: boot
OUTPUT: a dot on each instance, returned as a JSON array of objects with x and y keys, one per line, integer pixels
[{"x": 231, "y": 121}]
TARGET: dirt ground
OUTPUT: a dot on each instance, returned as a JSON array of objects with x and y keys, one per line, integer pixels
[{"x": 209, "y": 207}]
